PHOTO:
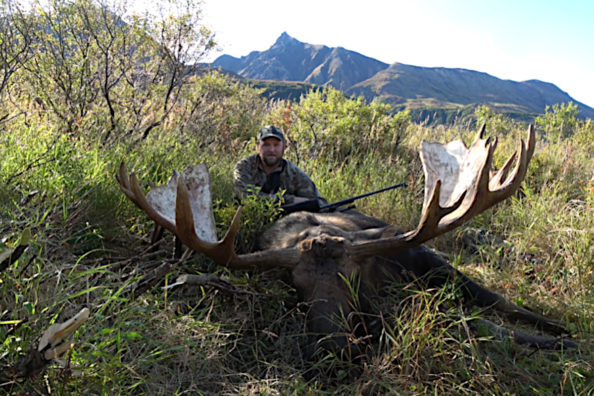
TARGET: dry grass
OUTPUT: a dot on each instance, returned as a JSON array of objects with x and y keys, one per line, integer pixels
[{"x": 89, "y": 245}]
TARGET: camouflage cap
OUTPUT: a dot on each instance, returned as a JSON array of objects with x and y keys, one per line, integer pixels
[{"x": 271, "y": 131}]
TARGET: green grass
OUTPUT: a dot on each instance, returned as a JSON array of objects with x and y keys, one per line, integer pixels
[{"x": 89, "y": 245}]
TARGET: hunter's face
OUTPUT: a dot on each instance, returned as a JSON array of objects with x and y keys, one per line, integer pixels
[{"x": 271, "y": 151}]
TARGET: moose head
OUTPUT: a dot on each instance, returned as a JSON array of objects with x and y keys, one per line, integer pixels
[{"x": 324, "y": 250}]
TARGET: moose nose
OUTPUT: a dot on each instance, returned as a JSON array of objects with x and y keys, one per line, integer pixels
[{"x": 324, "y": 246}]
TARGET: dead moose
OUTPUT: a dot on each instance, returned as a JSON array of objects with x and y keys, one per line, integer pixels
[{"x": 321, "y": 250}]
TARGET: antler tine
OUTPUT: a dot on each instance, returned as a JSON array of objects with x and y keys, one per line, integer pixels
[
  {"x": 478, "y": 196},
  {"x": 513, "y": 180},
  {"x": 141, "y": 201},
  {"x": 221, "y": 252},
  {"x": 497, "y": 179},
  {"x": 432, "y": 214},
  {"x": 481, "y": 133},
  {"x": 124, "y": 182},
  {"x": 129, "y": 186}
]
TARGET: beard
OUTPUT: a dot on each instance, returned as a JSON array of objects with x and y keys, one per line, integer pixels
[{"x": 271, "y": 160}]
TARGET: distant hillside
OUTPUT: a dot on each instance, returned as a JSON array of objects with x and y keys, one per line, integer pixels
[
  {"x": 421, "y": 89},
  {"x": 292, "y": 60}
]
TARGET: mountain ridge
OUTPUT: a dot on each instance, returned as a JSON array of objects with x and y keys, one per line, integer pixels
[{"x": 400, "y": 85}]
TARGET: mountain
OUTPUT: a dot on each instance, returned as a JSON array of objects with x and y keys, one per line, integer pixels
[
  {"x": 421, "y": 89},
  {"x": 418, "y": 87},
  {"x": 291, "y": 60}
]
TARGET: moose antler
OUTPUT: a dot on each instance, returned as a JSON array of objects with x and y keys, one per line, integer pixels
[
  {"x": 184, "y": 207},
  {"x": 458, "y": 186}
]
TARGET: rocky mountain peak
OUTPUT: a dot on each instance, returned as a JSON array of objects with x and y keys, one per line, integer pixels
[{"x": 285, "y": 40}]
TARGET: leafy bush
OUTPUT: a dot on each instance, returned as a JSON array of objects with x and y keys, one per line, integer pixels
[{"x": 325, "y": 124}]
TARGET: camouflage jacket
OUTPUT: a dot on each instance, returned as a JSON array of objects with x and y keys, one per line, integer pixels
[{"x": 248, "y": 173}]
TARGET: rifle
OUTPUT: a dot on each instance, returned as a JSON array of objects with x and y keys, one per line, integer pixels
[{"x": 313, "y": 205}]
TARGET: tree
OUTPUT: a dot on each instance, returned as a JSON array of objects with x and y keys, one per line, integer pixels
[
  {"x": 15, "y": 45},
  {"x": 179, "y": 40},
  {"x": 559, "y": 121},
  {"x": 101, "y": 70}
]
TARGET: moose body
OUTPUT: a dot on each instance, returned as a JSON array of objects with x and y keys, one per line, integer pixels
[
  {"x": 325, "y": 265},
  {"x": 326, "y": 251}
]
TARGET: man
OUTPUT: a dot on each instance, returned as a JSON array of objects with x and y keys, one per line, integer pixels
[{"x": 267, "y": 172}]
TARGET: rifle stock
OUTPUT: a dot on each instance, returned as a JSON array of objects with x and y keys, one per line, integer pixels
[{"x": 313, "y": 205}]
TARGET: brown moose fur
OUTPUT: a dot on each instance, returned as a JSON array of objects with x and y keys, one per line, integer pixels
[{"x": 325, "y": 265}]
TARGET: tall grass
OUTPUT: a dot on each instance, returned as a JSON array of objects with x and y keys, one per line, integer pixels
[{"x": 89, "y": 244}]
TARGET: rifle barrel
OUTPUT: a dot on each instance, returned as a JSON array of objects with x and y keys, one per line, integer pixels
[{"x": 352, "y": 199}]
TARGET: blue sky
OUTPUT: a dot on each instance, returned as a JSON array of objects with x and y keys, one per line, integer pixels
[{"x": 552, "y": 41}]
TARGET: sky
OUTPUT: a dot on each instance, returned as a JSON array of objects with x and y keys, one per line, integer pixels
[{"x": 519, "y": 40}]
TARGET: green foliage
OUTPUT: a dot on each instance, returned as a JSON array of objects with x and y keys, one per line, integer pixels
[
  {"x": 218, "y": 111},
  {"x": 61, "y": 145},
  {"x": 325, "y": 124},
  {"x": 100, "y": 73},
  {"x": 558, "y": 122},
  {"x": 15, "y": 44},
  {"x": 496, "y": 123},
  {"x": 257, "y": 214}
]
